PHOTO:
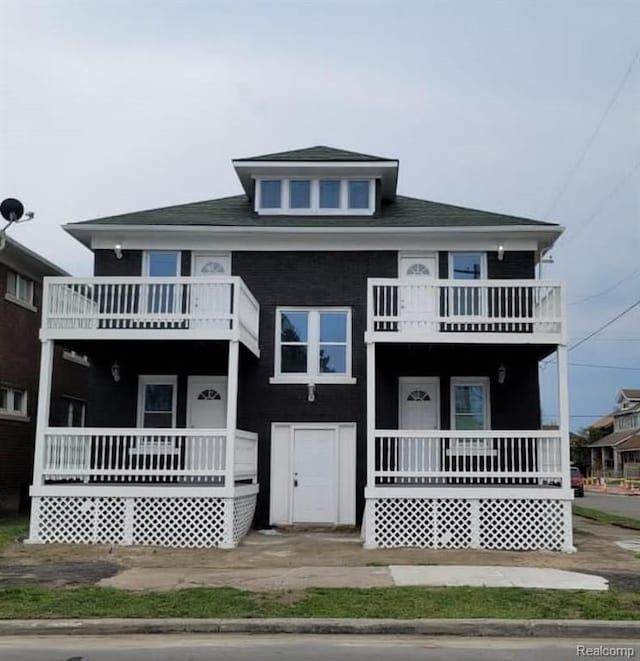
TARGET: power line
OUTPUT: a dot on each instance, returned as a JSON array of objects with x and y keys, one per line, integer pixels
[
  {"x": 605, "y": 367},
  {"x": 630, "y": 276},
  {"x": 592, "y": 137},
  {"x": 600, "y": 206},
  {"x": 605, "y": 325}
]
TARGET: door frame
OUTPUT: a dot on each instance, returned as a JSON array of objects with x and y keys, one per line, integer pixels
[
  {"x": 209, "y": 253},
  {"x": 425, "y": 379},
  {"x": 336, "y": 468},
  {"x": 213, "y": 378}
]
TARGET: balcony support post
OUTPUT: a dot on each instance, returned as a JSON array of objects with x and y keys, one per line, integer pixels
[
  {"x": 563, "y": 423},
  {"x": 232, "y": 413},
  {"x": 371, "y": 413},
  {"x": 42, "y": 422}
]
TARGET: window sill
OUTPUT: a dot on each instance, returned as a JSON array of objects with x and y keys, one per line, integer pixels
[
  {"x": 317, "y": 380},
  {"x": 74, "y": 358},
  {"x": 15, "y": 417},
  {"x": 23, "y": 304}
]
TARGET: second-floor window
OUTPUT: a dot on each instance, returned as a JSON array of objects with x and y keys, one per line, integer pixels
[
  {"x": 19, "y": 288},
  {"x": 313, "y": 344},
  {"x": 161, "y": 298},
  {"x": 13, "y": 401},
  {"x": 469, "y": 300}
]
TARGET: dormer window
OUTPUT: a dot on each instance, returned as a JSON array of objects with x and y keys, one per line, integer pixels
[
  {"x": 315, "y": 196},
  {"x": 270, "y": 194}
]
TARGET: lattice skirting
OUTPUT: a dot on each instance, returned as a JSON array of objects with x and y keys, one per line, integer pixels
[
  {"x": 185, "y": 522},
  {"x": 459, "y": 523}
]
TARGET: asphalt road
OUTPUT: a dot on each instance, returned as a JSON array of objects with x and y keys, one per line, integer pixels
[
  {"x": 295, "y": 648},
  {"x": 623, "y": 505}
]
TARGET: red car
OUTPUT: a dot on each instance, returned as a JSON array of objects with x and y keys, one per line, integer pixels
[{"x": 577, "y": 482}]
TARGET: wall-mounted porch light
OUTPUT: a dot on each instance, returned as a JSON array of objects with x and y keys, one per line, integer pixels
[
  {"x": 115, "y": 371},
  {"x": 502, "y": 374},
  {"x": 500, "y": 252},
  {"x": 311, "y": 392},
  {"x": 117, "y": 250}
]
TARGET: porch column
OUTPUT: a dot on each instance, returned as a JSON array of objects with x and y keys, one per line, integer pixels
[
  {"x": 616, "y": 463},
  {"x": 603, "y": 461},
  {"x": 563, "y": 407},
  {"x": 232, "y": 413},
  {"x": 42, "y": 422},
  {"x": 371, "y": 414}
]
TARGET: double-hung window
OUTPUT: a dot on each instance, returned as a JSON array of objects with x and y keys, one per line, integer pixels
[
  {"x": 19, "y": 289},
  {"x": 470, "y": 412},
  {"x": 313, "y": 345},
  {"x": 13, "y": 401},
  {"x": 76, "y": 411}
]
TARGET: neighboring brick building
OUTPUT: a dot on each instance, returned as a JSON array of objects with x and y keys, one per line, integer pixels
[{"x": 21, "y": 273}]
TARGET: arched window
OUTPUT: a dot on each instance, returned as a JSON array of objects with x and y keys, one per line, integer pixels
[
  {"x": 418, "y": 396},
  {"x": 209, "y": 394},
  {"x": 418, "y": 269},
  {"x": 212, "y": 267}
]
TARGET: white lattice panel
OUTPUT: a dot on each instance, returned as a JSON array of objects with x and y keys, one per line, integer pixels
[
  {"x": 243, "y": 510},
  {"x": 182, "y": 522},
  {"x": 522, "y": 524},
  {"x": 177, "y": 522},
  {"x": 506, "y": 524},
  {"x": 81, "y": 520}
]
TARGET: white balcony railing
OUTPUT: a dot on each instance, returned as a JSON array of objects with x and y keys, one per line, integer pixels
[
  {"x": 193, "y": 456},
  {"x": 128, "y": 307},
  {"x": 441, "y": 310},
  {"x": 458, "y": 458}
]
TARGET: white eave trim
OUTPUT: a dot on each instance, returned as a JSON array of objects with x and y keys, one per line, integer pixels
[{"x": 316, "y": 164}]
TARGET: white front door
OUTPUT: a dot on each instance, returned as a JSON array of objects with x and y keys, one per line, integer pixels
[
  {"x": 209, "y": 301},
  {"x": 207, "y": 402},
  {"x": 314, "y": 475},
  {"x": 418, "y": 272},
  {"x": 419, "y": 409}
]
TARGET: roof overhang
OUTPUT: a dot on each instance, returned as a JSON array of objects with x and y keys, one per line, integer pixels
[
  {"x": 185, "y": 237},
  {"x": 19, "y": 257},
  {"x": 385, "y": 171}
]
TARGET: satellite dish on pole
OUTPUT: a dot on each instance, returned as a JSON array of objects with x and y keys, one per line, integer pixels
[{"x": 11, "y": 209}]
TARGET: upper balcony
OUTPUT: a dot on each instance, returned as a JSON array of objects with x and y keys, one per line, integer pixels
[
  {"x": 465, "y": 311},
  {"x": 142, "y": 308}
]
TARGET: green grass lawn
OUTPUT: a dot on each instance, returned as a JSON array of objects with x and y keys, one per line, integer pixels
[
  {"x": 606, "y": 517},
  {"x": 400, "y": 602},
  {"x": 13, "y": 528}
]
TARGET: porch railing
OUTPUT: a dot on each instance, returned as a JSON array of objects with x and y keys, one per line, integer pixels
[
  {"x": 441, "y": 307},
  {"x": 188, "y": 304},
  {"x": 193, "y": 456},
  {"x": 439, "y": 457}
]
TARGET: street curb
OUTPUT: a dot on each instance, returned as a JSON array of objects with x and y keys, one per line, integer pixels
[{"x": 581, "y": 629}]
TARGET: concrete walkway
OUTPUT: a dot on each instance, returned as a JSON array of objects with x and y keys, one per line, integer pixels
[{"x": 299, "y": 578}]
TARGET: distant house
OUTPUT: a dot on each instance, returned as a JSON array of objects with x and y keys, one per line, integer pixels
[
  {"x": 617, "y": 453},
  {"x": 21, "y": 274}
]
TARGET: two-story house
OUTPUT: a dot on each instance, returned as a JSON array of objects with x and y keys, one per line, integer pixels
[
  {"x": 317, "y": 350},
  {"x": 617, "y": 454},
  {"x": 21, "y": 274}
]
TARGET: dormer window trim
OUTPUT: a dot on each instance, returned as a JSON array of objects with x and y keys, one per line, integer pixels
[{"x": 314, "y": 208}]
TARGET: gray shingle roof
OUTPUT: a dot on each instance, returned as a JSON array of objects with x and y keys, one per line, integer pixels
[
  {"x": 317, "y": 153},
  {"x": 237, "y": 211},
  {"x": 631, "y": 393},
  {"x": 613, "y": 439}
]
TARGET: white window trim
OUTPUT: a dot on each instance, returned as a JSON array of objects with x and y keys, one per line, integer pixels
[
  {"x": 147, "y": 254},
  {"x": 314, "y": 209},
  {"x": 9, "y": 413},
  {"x": 483, "y": 262},
  {"x": 313, "y": 375},
  {"x": 146, "y": 379}
]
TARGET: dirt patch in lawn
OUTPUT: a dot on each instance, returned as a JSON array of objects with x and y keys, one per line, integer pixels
[
  {"x": 596, "y": 543},
  {"x": 56, "y": 573}
]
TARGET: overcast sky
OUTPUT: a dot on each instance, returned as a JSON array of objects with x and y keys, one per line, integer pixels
[{"x": 109, "y": 107}]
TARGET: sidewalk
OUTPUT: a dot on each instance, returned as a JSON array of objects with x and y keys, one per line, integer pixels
[{"x": 300, "y": 578}]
